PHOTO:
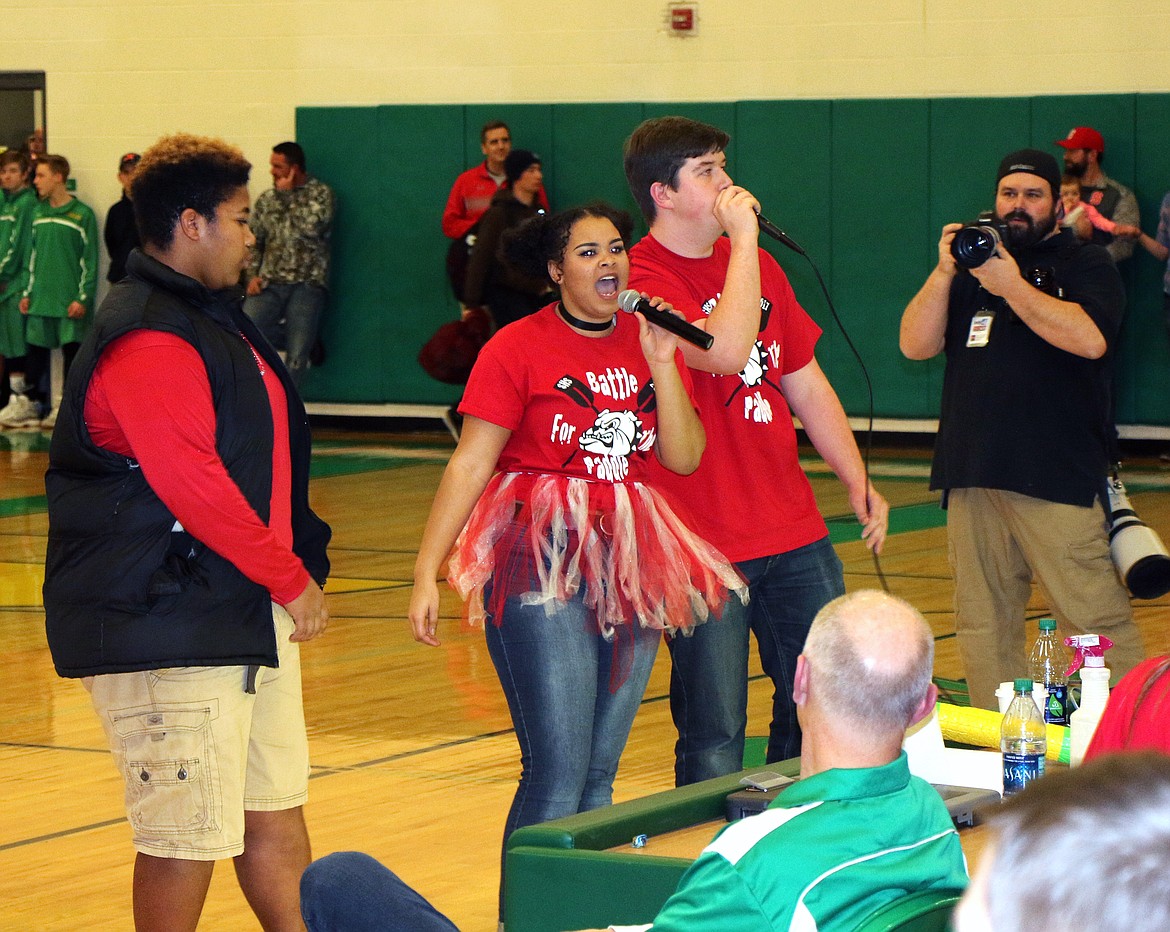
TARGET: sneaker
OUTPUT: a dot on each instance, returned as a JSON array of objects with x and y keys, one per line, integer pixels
[
  {"x": 11, "y": 406},
  {"x": 20, "y": 411}
]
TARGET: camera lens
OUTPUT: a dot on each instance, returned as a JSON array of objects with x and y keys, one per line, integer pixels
[
  {"x": 973, "y": 245},
  {"x": 1042, "y": 278}
]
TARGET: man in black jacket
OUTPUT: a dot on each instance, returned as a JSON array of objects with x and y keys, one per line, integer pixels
[
  {"x": 1029, "y": 333},
  {"x": 184, "y": 563},
  {"x": 121, "y": 230},
  {"x": 491, "y": 279}
]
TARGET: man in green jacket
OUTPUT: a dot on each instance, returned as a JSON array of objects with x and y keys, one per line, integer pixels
[
  {"x": 16, "y": 209},
  {"x": 62, "y": 278},
  {"x": 857, "y": 831}
]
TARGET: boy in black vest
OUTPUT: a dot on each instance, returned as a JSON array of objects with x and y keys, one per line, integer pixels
[{"x": 184, "y": 564}]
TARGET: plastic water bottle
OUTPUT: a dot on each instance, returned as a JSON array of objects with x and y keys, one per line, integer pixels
[
  {"x": 1048, "y": 661},
  {"x": 1023, "y": 739}
]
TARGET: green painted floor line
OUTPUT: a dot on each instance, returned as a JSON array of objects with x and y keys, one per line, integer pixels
[
  {"x": 24, "y": 441},
  {"x": 325, "y": 467},
  {"x": 903, "y": 519},
  {"x": 879, "y": 478},
  {"x": 360, "y": 444},
  {"x": 29, "y": 505},
  {"x": 841, "y": 530}
]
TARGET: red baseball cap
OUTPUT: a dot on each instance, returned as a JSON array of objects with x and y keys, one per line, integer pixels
[{"x": 1083, "y": 137}]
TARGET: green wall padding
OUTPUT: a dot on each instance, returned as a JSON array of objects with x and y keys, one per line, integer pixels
[
  {"x": 388, "y": 286},
  {"x": 968, "y": 138},
  {"x": 879, "y": 217},
  {"x": 600, "y": 130},
  {"x": 784, "y": 156},
  {"x": 1145, "y": 359},
  {"x": 864, "y": 185}
]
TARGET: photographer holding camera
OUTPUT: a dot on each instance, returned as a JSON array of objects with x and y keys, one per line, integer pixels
[{"x": 1028, "y": 318}]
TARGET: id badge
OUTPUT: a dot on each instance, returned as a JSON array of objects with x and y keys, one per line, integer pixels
[{"x": 980, "y": 331}]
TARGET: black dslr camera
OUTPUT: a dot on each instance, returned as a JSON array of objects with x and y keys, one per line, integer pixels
[{"x": 975, "y": 243}]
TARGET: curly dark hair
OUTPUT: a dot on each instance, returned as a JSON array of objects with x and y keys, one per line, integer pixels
[
  {"x": 184, "y": 171},
  {"x": 542, "y": 239}
]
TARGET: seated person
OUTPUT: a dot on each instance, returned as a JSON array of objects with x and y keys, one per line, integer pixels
[
  {"x": 1087, "y": 848},
  {"x": 857, "y": 831},
  {"x": 351, "y": 892},
  {"x": 1138, "y": 714}
]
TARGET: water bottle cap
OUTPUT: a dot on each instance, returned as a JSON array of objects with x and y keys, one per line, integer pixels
[
  {"x": 1023, "y": 685},
  {"x": 1047, "y": 624}
]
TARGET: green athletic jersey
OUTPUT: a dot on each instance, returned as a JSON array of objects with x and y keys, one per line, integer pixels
[
  {"x": 829, "y": 850},
  {"x": 16, "y": 215},
  {"x": 64, "y": 262}
]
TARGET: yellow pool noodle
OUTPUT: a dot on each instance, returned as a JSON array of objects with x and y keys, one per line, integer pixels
[{"x": 981, "y": 727}]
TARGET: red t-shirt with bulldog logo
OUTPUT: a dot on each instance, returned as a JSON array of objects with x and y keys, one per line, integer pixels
[
  {"x": 576, "y": 405},
  {"x": 749, "y": 496}
]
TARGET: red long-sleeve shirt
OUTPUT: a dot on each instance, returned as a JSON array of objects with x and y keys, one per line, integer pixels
[
  {"x": 150, "y": 399},
  {"x": 471, "y": 195}
]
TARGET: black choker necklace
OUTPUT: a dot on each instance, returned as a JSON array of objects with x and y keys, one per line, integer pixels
[{"x": 577, "y": 324}]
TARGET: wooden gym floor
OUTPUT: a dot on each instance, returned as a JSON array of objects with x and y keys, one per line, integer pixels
[{"x": 413, "y": 756}]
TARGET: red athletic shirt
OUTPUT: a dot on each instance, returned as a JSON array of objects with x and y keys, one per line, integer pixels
[
  {"x": 1120, "y": 729},
  {"x": 471, "y": 195},
  {"x": 749, "y": 496},
  {"x": 150, "y": 399}
]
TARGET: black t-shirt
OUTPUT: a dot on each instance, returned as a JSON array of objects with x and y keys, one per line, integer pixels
[{"x": 1018, "y": 413}]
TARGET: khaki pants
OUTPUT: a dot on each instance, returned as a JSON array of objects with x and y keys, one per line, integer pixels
[{"x": 997, "y": 542}]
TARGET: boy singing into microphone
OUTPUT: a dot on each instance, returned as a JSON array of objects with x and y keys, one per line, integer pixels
[{"x": 749, "y": 496}]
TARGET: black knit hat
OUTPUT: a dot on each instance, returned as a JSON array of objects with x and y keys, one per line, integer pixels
[
  {"x": 1034, "y": 162},
  {"x": 518, "y": 162}
]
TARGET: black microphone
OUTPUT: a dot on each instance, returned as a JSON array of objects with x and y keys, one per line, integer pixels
[
  {"x": 631, "y": 301},
  {"x": 777, "y": 234}
]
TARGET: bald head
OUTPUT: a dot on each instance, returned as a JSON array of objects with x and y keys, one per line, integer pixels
[{"x": 870, "y": 658}]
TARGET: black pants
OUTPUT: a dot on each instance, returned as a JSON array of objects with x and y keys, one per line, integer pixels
[{"x": 36, "y": 369}]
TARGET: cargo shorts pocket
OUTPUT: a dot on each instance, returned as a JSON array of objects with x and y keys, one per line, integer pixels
[{"x": 168, "y": 758}]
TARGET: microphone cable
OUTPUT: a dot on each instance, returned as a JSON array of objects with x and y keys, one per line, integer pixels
[{"x": 768, "y": 227}]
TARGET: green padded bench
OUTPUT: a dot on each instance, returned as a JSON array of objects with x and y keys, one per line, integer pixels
[{"x": 560, "y": 876}]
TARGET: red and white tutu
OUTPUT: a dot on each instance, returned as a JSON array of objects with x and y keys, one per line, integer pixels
[{"x": 542, "y": 537}]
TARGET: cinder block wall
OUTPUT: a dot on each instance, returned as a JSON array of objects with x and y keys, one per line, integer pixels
[{"x": 122, "y": 72}]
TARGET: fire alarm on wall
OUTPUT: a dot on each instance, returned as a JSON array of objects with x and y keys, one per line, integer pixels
[{"x": 682, "y": 18}]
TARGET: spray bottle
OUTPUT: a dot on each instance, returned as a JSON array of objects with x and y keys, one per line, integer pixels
[{"x": 1090, "y": 651}]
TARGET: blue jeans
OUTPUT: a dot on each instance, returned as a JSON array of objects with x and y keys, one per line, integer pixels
[
  {"x": 708, "y": 679},
  {"x": 572, "y": 728},
  {"x": 288, "y": 316},
  {"x": 351, "y": 892}
]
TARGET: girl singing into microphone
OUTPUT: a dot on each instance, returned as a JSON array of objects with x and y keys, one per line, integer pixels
[{"x": 574, "y": 565}]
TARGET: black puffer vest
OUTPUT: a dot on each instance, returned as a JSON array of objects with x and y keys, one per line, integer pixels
[{"x": 123, "y": 591}]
